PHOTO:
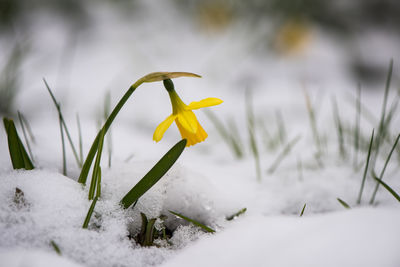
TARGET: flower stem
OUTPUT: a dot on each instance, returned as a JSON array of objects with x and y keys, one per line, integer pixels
[{"x": 92, "y": 152}]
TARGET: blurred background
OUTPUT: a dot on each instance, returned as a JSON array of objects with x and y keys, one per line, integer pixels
[{"x": 103, "y": 45}]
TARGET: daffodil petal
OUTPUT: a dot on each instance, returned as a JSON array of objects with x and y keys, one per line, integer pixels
[
  {"x": 188, "y": 120},
  {"x": 162, "y": 127},
  {"x": 207, "y": 102}
]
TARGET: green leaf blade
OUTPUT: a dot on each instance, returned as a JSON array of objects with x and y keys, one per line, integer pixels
[
  {"x": 154, "y": 175},
  {"x": 19, "y": 156},
  {"x": 89, "y": 214},
  {"x": 206, "y": 228}
]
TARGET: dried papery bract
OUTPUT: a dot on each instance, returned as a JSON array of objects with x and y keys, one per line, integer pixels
[{"x": 160, "y": 76}]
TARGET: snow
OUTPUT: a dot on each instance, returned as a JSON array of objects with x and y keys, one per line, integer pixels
[
  {"x": 207, "y": 183},
  {"x": 33, "y": 258},
  {"x": 362, "y": 237}
]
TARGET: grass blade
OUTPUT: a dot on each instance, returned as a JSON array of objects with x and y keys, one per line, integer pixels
[
  {"x": 149, "y": 234},
  {"x": 18, "y": 155},
  {"x": 281, "y": 127},
  {"x": 339, "y": 128},
  {"x": 96, "y": 175},
  {"x": 78, "y": 121},
  {"x": 286, "y": 150},
  {"x": 252, "y": 134},
  {"x": 107, "y": 107},
  {"x": 64, "y": 158},
  {"x": 202, "y": 226},
  {"x": 382, "y": 130},
  {"x": 302, "y": 210},
  {"x": 21, "y": 121},
  {"x": 387, "y": 187},
  {"x": 64, "y": 125},
  {"x": 313, "y": 124},
  {"x": 357, "y": 127},
  {"x": 10, "y": 75},
  {"x": 233, "y": 216},
  {"x": 383, "y": 170},
  {"x": 55, "y": 247},
  {"x": 89, "y": 214},
  {"x": 344, "y": 204},
  {"x": 231, "y": 136},
  {"x": 366, "y": 168},
  {"x": 154, "y": 175}
]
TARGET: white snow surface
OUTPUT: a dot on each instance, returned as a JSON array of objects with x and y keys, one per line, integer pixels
[
  {"x": 345, "y": 238},
  {"x": 207, "y": 183}
]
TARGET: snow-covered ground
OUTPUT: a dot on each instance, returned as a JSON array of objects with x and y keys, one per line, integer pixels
[{"x": 207, "y": 183}]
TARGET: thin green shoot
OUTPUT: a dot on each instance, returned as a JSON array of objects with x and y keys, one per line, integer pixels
[
  {"x": 383, "y": 170},
  {"x": 281, "y": 127},
  {"x": 142, "y": 233},
  {"x": 154, "y": 175},
  {"x": 366, "y": 168},
  {"x": 387, "y": 187},
  {"x": 389, "y": 119},
  {"x": 302, "y": 210},
  {"x": 281, "y": 156},
  {"x": 339, "y": 128},
  {"x": 357, "y": 127},
  {"x": 237, "y": 214},
  {"x": 10, "y": 78},
  {"x": 96, "y": 175},
  {"x": 269, "y": 141},
  {"x": 55, "y": 247},
  {"x": 252, "y": 134},
  {"x": 382, "y": 131},
  {"x": 230, "y": 137},
  {"x": 64, "y": 125},
  {"x": 64, "y": 157},
  {"x": 365, "y": 112},
  {"x": 391, "y": 112},
  {"x": 235, "y": 138},
  {"x": 19, "y": 158},
  {"x": 129, "y": 158},
  {"x": 21, "y": 121},
  {"x": 98, "y": 187},
  {"x": 28, "y": 128},
  {"x": 202, "y": 226},
  {"x": 313, "y": 124},
  {"x": 343, "y": 203},
  {"x": 89, "y": 214},
  {"x": 78, "y": 122},
  {"x": 149, "y": 235},
  {"x": 107, "y": 108}
]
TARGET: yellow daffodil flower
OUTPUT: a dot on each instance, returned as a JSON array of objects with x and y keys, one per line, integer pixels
[{"x": 184, "y": 117}]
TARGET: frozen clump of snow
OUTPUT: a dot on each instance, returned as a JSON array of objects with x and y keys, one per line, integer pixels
[{"x": 183, "y": 235}]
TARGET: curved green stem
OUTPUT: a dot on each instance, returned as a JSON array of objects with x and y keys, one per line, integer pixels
[{"x": 92, "y": 152}]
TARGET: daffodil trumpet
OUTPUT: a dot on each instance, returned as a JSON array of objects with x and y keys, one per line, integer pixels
[{"x": 185, "y": 119}]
